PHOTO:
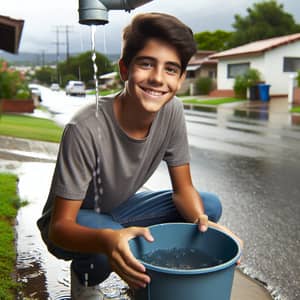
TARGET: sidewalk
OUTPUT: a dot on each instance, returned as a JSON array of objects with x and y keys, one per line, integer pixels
[{"x": 246, "y": 288}]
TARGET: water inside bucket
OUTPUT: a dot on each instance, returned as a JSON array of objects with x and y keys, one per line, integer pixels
[{"x": 181, "y": 259}]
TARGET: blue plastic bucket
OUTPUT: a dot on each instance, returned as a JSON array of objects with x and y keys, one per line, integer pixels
[{"x": 208, "y": 283}]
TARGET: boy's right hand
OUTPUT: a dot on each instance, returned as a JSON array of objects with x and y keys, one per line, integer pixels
[{"x": 122, "y": 260}]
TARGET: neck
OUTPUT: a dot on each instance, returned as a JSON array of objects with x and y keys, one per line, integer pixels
[{"x": 133, "y": 121}]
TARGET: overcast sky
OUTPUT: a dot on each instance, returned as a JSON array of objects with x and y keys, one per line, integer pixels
[{"x": 42, "y": 18}]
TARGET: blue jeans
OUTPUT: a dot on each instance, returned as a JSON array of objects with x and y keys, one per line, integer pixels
[{"x": 142, "y": 209}]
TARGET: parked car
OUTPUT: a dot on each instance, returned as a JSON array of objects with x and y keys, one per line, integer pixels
[
  {"x": 54, "y": 87},
  {"x": 75, "y": 88},
  {"x": 35, "y": 92}
]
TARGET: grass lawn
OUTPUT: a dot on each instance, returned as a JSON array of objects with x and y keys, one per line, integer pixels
[
  {"x": 295, "y": 109},
  {"x": 10, "y": 203},
  {"x": 211, "y": 101},
  {"x": 29, "y": 128},
  {"x": 103, "y": 93}
]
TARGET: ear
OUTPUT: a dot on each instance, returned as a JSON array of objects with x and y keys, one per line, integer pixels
[
  {"x": 123, "y": 70},
  {"x": 181, "y": 80}
]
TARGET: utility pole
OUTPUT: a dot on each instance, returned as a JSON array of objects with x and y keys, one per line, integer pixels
[
  {"x": 67, "y": 31},
  {"x": 43, "y": 57},
  {"x": 58, "y": 43}
]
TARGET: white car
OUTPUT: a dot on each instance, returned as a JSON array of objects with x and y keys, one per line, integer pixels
[
  {"x": 35, "y": 91},
  {"x": 75, "y": 88},
  {"x": 54, "y": 87}
]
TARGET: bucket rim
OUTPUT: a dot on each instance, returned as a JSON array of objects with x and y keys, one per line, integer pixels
[{"x": 198, "y": 271}]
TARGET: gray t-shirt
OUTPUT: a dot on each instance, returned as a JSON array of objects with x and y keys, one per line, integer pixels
[{"x": 99, "y": 163}]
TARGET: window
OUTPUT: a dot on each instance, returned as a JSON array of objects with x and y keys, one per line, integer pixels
[
  {"x": 212, "y": 74},
  {"x": 291, "y": 64},
  {"x": 190, "y": 74},
  {"x": 234, "y": 70}
]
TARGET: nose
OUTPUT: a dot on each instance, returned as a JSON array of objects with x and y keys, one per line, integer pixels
[{"x": 156, "y": 76}]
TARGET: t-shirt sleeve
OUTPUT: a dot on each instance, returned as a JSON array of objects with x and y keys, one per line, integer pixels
[
  {"x": 75, "y": 164},
  {"x": 177, "y": 152}
]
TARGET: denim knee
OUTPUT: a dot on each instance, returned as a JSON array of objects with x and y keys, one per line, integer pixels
[
  {"x": 91, "y": 270},
  {"x": 212, "y": 206}
]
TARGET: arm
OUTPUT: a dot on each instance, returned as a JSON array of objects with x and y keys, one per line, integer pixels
[
  {"x": 186, "y": 198},
  {"x": 188, "y": 201},
  {"x": 66, "y": 233}
]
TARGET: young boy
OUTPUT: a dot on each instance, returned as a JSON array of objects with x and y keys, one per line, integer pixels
[{"x": 94, "y": 207}]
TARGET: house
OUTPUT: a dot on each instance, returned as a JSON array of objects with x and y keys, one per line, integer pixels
[
  {"x": 199, "y": 66},
  {"x": 10, "y": 33},
  {"x": 276, "y": 59},
  {"x": 10, "y": 37},
  {"x": 109, "y": 80}
]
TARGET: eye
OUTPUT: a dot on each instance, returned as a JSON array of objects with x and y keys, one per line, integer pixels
[
  {"x": 172, "y": 70},
  {"x": 146, "y": 64}
]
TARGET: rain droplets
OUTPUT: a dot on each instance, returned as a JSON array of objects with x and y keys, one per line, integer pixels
[{"x": 98, "y": 189}]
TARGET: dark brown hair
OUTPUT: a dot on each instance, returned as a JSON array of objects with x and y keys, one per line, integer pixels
[{"x": 160, "y": 26}]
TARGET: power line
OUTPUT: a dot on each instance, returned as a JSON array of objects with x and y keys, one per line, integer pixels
[{"x": 67, "y": 30}]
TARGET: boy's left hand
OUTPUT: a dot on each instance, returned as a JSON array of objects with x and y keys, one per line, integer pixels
[{"x": 202, "y": 222}]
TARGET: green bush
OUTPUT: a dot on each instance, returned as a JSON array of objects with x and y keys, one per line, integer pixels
[
  {"x": 204, "y": 85},
  {"x": 12, "y": 83},
  {"x": 253, "y": 77},
  {"x": 240, "y": 87},
  {"x": 242, "y": 82},
  {"x": 298, "y": 78}
]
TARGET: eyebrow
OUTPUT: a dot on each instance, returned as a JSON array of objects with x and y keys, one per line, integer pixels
[{"x": 173, "y": 63}]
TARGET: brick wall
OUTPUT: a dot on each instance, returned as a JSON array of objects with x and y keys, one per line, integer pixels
[
  {"x": 17, "y": 106},
  {"x": 296, "y": 96}
]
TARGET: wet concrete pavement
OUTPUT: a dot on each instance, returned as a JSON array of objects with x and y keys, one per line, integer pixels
[{"x": 253, "y": 164}]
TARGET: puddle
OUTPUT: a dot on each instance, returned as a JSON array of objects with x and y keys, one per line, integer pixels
[
  {"x": 262, "y": 114},
  {"x": 43, "y": 276}
]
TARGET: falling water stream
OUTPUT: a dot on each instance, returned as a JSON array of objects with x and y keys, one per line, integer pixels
[{"x": 95, "y": 68}]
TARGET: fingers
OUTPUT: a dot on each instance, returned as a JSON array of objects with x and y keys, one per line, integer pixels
[
  {"x": 126, "y": 269},
  {"x": 202, "y": 222},
  {"x": 123, "y": 261},
  {"x": 140, "y": 231}
]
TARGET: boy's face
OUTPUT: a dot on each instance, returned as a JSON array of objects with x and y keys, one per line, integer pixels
[{"x": 153, "y": 77}]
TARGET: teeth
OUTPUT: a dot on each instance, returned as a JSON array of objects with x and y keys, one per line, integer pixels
[{"x": 154, "y": 93}]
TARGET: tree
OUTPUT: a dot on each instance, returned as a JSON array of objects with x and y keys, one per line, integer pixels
[
  {"x": 45, "y": 75},
  {"x": 12, "y": 83},
  {"x": 217, "y": 40},
  {"x": 265, "y": 19},
  {"x": 81, "y": 67}
]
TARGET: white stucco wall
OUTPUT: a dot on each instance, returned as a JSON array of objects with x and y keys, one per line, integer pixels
[
  {"x": 224, "y": 83},
  {"x": 270, "y": 65},
  {"x": 278, "y": 79}
]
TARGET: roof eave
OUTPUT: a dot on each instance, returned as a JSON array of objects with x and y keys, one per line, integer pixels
[
  {"x": 250, "y": 53},
  {"x": 11, "y": 32}
]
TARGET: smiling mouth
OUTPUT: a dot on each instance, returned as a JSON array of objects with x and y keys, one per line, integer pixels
[{"x": 153, "y": 92}]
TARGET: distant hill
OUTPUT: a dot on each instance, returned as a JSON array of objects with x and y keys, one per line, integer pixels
[{"x": 33, "y": 59}]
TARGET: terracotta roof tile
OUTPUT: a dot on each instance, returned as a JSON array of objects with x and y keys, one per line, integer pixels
[{"x": 258, "y": 46}]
